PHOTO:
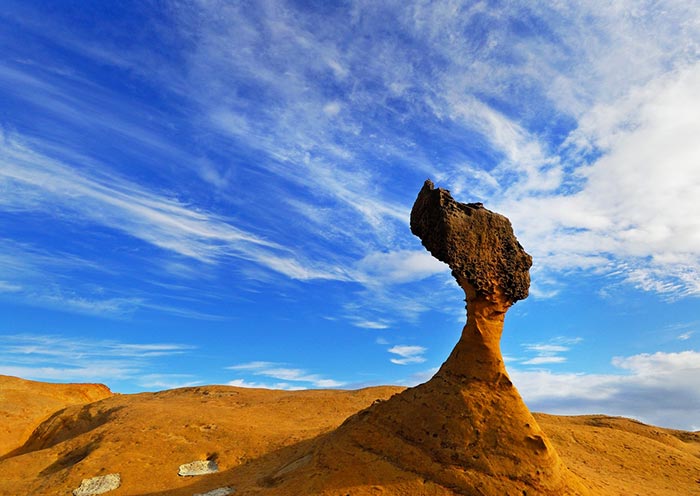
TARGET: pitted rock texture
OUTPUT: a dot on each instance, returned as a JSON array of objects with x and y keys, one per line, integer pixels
[
  {"x": 198, "y": 467},
  {"x": 222, "y": 491},
  {"x": 98, "y": 485},
  {"x": 477, "y": 244}
]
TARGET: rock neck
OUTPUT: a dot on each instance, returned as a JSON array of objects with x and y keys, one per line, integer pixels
[{"x": 477, "y": 355}]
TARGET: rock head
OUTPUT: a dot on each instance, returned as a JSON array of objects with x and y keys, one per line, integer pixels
[
  {"x": 466, "y": 431},
  {"x": 477, "y": 244}
]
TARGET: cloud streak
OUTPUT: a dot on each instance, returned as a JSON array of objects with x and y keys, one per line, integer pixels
[
  {"x": 300, "y": 379},
  {"x": 36, "y": 181},
  {"x": 548, "y": 353},
  {"x": 408, "y": 354},
  {"x": 57, "y": 358}
]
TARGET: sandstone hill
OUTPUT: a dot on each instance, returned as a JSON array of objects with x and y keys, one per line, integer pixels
[
  {"x": 258, "y": 437},
  {"x": 24, "y": 404},
  {"x": 464, "y": 432}
]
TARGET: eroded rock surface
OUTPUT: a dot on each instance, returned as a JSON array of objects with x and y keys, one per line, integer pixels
[
  {"x": 488, "y": 263},
  {"x": 222, "y": 491},
  {"x": 98, "y": 485},
  {"x": 198, "y": 467},
  {"x": 477, "y": 244}
]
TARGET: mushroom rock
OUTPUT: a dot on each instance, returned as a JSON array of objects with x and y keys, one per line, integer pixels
[
  {"x": 488, "y": 263},
  {"x": 466, "y": 431}
]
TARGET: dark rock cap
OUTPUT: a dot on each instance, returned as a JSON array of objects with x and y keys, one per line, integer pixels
[{"x": 477, "y": 244}]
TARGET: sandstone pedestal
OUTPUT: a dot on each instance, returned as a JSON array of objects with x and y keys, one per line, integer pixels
[{"x": 466, "y": 431}]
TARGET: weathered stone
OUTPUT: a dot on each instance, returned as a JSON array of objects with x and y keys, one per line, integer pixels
[
  {"x": 222, "y": 491},
  {"x": 198, "y": 467},
  {"x": 477, "y": 244},
  {"x": 98, "y": 485},
  {"x": 466, "y": 429}
]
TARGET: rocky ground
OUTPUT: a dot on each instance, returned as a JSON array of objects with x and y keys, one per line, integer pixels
[{"x": 260, "y": 438}]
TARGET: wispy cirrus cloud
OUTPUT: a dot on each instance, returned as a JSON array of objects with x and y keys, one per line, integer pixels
[
  {"x": 299, "y": 378},
  {"x": 55, "y": 357},
  {"x": 8, "y": 287},
  {"x": 370, "y": 324},
  {"x": 407, "y": 354},
  {"x": 32, "y": 275},
  {"x": 396, "y": 267},
  {"x": 39, "y": 276},
  {"x": 35, "y": 181},
  {"x": 550, "y": 352}
]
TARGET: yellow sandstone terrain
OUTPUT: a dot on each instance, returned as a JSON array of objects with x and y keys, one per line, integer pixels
[
  {"x": 24, "y": 404},
  {"x": 255, "y": 435}
]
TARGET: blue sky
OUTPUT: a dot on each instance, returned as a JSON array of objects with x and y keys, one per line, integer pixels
[{"x": 218, "y": 192}]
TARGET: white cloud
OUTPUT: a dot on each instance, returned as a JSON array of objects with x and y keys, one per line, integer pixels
[
  {"x": 369, "y": 324},
  {"x": 98, "y": 371},
  {"x": 44, "y": 277},
  {"x": 332, "y": 109},
  {"x": 8, "y": 287},
  {"x": 395, "y": 289},
  {"x": 252, "y": 366},
  {"x": 686, "y": 335},
  {"x": 279, "y": 371},
  {"x": 115, "y": 307},
  {"x": 627, "y": 215},
  {"x": 261, "y": 385},
  {"x": 303, "y": 60},
  {"x": 546, "y": 348},
  {"x": 52, "y": 357},
  {"x": 654, "y": 364},
  {"x": 549, "y": 352},
  {"x": 524, "y": 153},
  {"x": 543, "y": 359},
  {"x": 399, "y": 267},
  {"x": 408, "y": 354},
  {"x": 659, "y": 388},
  {"x": 38, "y": 347}
]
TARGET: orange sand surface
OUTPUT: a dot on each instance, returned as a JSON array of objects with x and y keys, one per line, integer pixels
[
  {"x": 24, "y": 404},
  {"x": 57, "y": 435}
]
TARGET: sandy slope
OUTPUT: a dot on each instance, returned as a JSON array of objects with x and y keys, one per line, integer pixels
[
  {"x": 24, "y": 404},
  {"x": 258, "y": 437}
]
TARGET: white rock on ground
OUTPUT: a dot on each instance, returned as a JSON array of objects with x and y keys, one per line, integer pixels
[
  {"x": 198, "y": 467},
  {"x": 98, "y": 485},
  {"x": 222, "y": 491}
]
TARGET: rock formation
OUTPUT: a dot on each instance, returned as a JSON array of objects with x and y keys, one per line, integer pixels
[
  {"x": 488, "y": 263},
  {"x": 467, "y": 430},
  {"x": 464, "y": 432}
]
